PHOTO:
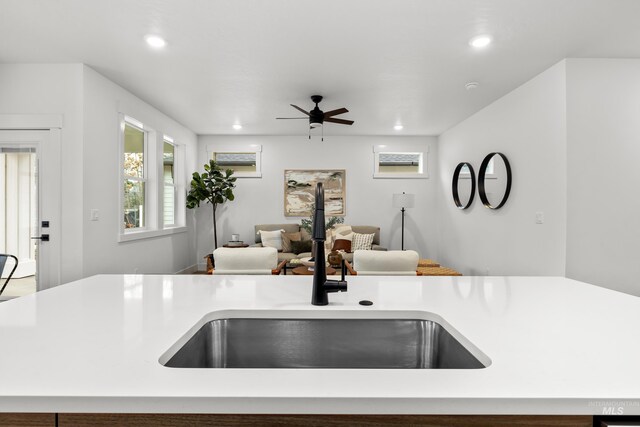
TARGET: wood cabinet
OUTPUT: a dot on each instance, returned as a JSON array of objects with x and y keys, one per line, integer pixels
[
  {"x": 27, "y": 420},
  {"x": 240, "y": 420},
  {"x": 233, "y": 420}
]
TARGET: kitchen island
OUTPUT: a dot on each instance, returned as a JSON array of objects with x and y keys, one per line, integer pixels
[{"x": 552, "y": 346}]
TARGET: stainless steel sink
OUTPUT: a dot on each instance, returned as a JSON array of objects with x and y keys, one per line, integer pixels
[{"x": 323, "y": 343}]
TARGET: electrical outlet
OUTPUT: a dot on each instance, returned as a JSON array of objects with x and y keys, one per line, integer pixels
[{"x": 539, "y": 217}]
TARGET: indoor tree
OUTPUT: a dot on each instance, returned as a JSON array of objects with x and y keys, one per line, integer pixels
[{"x": 214, "y": 186}]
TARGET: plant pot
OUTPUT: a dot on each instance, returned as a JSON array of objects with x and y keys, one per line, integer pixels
[{"x": 335, "y": 258}]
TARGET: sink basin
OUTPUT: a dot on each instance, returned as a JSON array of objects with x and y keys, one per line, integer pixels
[{"x": 323, "y": 343}]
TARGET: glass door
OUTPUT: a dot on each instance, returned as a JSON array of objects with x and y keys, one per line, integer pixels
[
  {"x": 19, "y": 216},
  {"x": 29, "y": 209}
]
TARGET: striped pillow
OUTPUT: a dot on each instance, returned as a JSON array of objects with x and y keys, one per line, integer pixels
[
  {"x": 271, "y": 239},
  {"x": 362, "y": 242}
]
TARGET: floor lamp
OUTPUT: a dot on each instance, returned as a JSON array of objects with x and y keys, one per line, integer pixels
[{"x": 403, "y": 201}]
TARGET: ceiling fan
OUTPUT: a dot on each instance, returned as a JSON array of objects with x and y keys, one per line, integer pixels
[{"x": 317, "y": 117}]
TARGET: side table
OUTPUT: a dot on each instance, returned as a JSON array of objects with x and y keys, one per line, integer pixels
[{"x": 428, "y": 263}]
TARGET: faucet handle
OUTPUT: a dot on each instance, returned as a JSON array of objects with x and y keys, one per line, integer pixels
[{"x": 335, "y": 286}]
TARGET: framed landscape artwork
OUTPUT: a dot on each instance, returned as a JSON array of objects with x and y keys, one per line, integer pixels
[{"x": 300, "y": 187}]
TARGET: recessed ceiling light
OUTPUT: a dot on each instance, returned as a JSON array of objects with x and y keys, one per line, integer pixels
[
  {"x": 237, "y": 126},
  {"x": 398, "y": 127},
  {"x": 471, "y": 85},
  {"x": 155, "y": 41},
  {"x": 480, "y": 41}
]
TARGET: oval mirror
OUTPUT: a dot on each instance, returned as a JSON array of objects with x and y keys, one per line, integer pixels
[
  {"x": 494, "y": 180},
  {"x": 463, "y": 186}
]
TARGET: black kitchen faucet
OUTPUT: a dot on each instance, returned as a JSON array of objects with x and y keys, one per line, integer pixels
[{"x": 322, "y": 286}]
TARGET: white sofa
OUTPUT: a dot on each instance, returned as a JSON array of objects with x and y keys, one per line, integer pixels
[
  {"x": 387, "y": 263},
  {"x": 246, "y": 261}
]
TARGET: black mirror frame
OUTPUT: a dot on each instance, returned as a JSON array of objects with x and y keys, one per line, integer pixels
[
  {"x": 454, "y": 185},
  {"x": 481, "y": 190}
]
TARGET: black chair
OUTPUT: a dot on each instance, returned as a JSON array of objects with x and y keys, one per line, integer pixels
[{"x": 3, "y": 261}]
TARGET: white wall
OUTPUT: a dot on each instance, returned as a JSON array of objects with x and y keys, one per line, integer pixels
[
  {"x": 103, "y": 101},
  {"x": 571, "y": 135},
  {"x": 603, "y": 177},
  {"x": 261, "y": 200},
  {"x": 55, "y": 89},
  {"x": 90, "y": 104},
  {"x": 528, "y": 125}
]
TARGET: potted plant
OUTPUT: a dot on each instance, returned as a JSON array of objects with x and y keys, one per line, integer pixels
[{"x": 214, "y": 186}]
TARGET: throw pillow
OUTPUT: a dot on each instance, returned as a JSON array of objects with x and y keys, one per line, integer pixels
[
  {"x": 328, "y": 241},
  {"x": 342, "y": 245},
  {"x": 298, "y": 247},
  {"x": 342, "y": 231},
  {"x": 362, "y": 241},
  {"x": 271, "y": 239},
  {"x": 287, "y": 238}
]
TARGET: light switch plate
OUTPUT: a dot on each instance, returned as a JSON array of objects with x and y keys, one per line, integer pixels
[
  {"x": 95, "y": 215},
  {"x": 539, "y": 217}
]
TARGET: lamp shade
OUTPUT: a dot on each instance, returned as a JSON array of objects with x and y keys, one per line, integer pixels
[{"x": 403, "y": 200}]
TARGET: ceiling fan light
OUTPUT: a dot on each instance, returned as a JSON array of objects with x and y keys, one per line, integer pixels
[{"x": 315, "y": 125}]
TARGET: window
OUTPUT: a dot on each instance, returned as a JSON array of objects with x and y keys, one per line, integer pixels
[
  {"x": 152, "y": 202},
  {"x": 244, "y": 161},
  {"x": 409, "y": 162},
  {"x": 399, "y": 162},
  {"x": 169, "y": 179},
  {"x": 239, "y": 162},
  {"x": 134, "y": 172},
  {"x": 489, "y": 174}
]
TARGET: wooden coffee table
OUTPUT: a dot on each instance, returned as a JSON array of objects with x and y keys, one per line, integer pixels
[{"x": 303, "y": 270}]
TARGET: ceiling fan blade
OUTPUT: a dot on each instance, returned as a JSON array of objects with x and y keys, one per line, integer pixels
[
  {"x": 299, "y": 109},
  {"x": 339, "y": 121},
  {"x": 292, "y": 118},
  {"x": 335, "y": 112}
]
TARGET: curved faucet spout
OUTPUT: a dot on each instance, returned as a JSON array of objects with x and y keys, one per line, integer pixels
[
  {"x": 319, "y": 231},
  {"x": 322, "y": 286}
]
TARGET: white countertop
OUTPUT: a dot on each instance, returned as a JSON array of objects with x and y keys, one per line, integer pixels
[{"x": 557, "y": 346}]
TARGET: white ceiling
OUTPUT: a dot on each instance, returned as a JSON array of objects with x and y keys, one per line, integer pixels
[{"x": 386, "y": 61}]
